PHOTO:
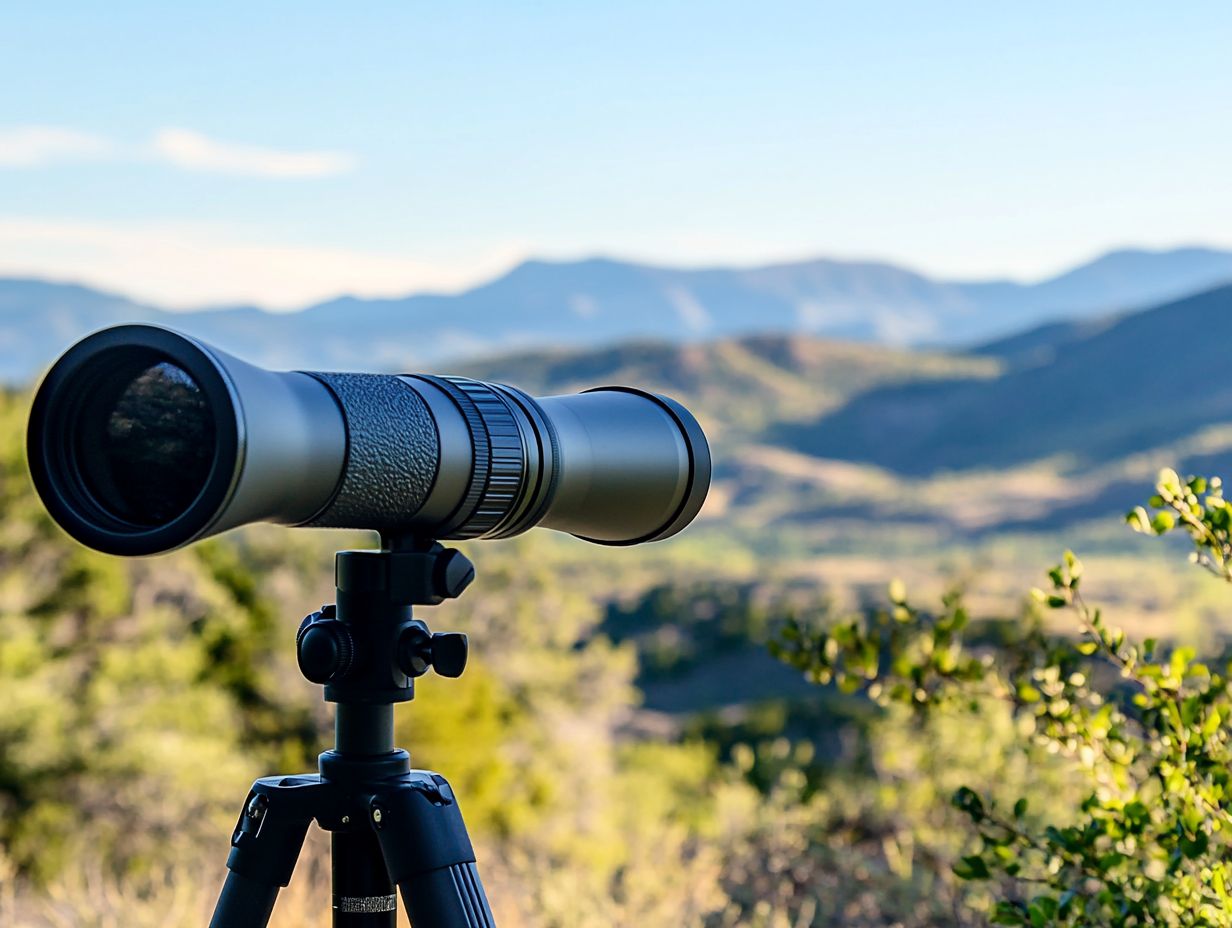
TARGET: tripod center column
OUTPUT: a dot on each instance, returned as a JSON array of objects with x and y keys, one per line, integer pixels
[{"x": 364, "y": 729}]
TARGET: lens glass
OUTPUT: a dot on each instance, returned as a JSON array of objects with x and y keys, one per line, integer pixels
[{"x": 147, "y": 444}]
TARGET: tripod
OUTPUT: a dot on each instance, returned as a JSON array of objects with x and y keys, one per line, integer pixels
[{"x": 390, "y": 825}]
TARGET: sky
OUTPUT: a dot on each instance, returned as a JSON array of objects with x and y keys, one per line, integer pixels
[{"x": 285, "y": 153}]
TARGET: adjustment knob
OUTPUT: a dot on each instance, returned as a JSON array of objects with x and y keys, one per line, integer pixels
[
  {"x": 444, "y": 652},
  {"x": 449, "y": 652},
  {"x": 452, "y": 574},
  {"x": 414, "y": 653},
  {"x": 324, "y": 650}
]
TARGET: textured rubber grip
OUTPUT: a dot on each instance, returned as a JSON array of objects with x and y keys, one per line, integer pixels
[{"x": 392, "y": 453}]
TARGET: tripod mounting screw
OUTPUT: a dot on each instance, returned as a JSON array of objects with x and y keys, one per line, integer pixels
[
  {"x": 256, "y": 808},
  {"x": 324, "y": 649}
]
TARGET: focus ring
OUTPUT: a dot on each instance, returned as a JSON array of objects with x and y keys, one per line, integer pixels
[
  {"x": 499, "y": 471},
  {"x": 546, "y": 461}
]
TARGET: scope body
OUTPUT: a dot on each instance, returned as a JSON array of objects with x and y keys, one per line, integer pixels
[{"x": 142, "y": 439}]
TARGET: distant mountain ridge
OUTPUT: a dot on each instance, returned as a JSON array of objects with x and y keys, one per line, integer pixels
[
  {"x": 835, "y": 444},
  {"x": 599, "y": 301},
  {"x": 1092, "y": 393},
  {"x": 824, "y": 444}
]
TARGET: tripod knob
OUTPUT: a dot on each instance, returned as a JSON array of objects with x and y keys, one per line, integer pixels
[
  {"x": 452, "y": 574},
  {"x": 449, "y": 652},
  {"x": 324, "y": 649},
  {"x": 414, "y": 653},
  {"x": 444, "y": 652}
]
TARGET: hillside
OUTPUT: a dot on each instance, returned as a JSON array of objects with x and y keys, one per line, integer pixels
[
  {"x": 825, "y": 446},
  {"x": 738, "y": 387},
  {"x": 594, "y": 302},
  {"x": 836, "y": 447},
  {"x": 1041, "y": 344},
  {"x": 1104, "y": 392}
]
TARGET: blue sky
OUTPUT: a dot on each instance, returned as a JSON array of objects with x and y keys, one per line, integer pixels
[{"x": 284, "y": 153}]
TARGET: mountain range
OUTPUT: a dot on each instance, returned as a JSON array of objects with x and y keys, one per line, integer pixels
[
  {"x": 1090, "y": 392},
  {"x": 819, "y": 440},
  {"x": 841, "y": 443},
  {"x": 600, "y": 301}
]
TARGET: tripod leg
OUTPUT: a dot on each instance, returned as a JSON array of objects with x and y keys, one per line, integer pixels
[
  {"x": 429, "y": 854},
  {"x": 244, "y": 902},
  {"x": 452, "y": 897},
  {"x": 264, "y": 848}
]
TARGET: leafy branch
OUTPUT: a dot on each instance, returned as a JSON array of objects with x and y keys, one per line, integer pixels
[{"x": 1144, "y": 727}]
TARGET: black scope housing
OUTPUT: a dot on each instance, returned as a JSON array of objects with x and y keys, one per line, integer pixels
[{"x": 142, "y": 439}]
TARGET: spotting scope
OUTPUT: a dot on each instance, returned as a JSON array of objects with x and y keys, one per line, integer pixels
[{"x": 143, "y": 439}]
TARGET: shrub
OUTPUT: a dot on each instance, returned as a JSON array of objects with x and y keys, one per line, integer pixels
[{"x": 1144, "y": 729}]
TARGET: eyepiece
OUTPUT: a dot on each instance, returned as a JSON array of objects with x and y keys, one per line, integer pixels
[{"x": 142, "y": 440}]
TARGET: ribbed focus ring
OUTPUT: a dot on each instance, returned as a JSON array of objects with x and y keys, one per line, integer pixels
[{"x": 499, "y": 471}]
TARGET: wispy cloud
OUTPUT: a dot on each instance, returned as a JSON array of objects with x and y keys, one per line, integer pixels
[
  {"x": 196, "y": 152},
  {"x": 186, "y": 149},
  {"x": 190, "y": 264},
  {"x": 30, "y": 146}
]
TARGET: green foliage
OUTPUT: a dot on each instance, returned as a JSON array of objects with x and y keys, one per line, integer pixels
[
  {"x": 118, "y": 708},
  {"x": 679, "y": 626},
  {"x": 1197, "y": 506},
  {"x": 898, "y": 653},
  {"x": 1143, "y": 728}
]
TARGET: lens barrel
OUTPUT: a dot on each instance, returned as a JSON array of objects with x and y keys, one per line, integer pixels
[{"x": 142, "y": 440}]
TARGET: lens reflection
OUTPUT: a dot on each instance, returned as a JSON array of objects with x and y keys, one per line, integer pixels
[{"x": 147, "y": 453}]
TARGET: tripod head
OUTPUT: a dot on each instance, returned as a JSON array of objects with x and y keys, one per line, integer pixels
[{"x": 368, "y": 648}]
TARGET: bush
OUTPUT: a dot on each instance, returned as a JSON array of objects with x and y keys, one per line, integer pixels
[{"x": 1143, "y": 728}]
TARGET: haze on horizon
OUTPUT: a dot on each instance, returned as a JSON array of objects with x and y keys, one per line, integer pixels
[{"x": 398, "y": 148}]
